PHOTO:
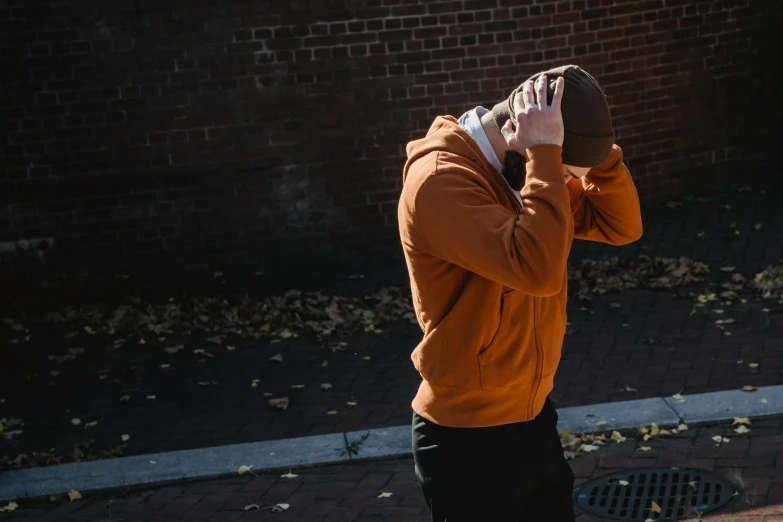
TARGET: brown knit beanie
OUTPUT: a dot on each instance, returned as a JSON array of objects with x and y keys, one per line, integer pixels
[{"x": 588, "y": 124}]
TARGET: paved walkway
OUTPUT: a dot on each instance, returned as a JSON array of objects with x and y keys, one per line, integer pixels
[
  {"x": 627, "y": 345},
  {"x": 753, "y": 462}
]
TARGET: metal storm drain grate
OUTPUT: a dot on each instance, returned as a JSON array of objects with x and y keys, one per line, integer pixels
[{"x": 657, "y": 494}]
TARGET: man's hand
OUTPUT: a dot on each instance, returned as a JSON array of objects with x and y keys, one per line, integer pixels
[{"x": 537, "y": 123}]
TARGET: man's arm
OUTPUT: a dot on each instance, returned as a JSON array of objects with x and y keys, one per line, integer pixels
[
  {"x": 605, "y": 204},
  {"x": 457, "y": 220}
]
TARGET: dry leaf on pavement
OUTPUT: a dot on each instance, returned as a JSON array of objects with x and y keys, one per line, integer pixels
[
  {"x": 11, "y": 506},
  {"x": 385, "y": 494},
  {"x": 74, "y": 495},
  {"x": 76, "y": 422},
  {"x": 749, "y": 388},
  {"x": 174, "y": 349},
  {"x": 588, "y": 448},
  {"x": 645, "y": 448},
  {"x": 278, "y": 508},
  {"x": 617, "y": 436},
  {"x": 280, "y": 403},
  {"x": 678, "y": 397},
  {"x": 125, "y": 437},
  {"x": 252, "y": 507},
  {"x": 742, "y": 429},
  {"x": 278, "y": 357},
  {"x": 655, "y": 507},
  {"x": 289, "y": 475},
  {"x": 325, "y": 386},
  {"x": 741, "y": 420},
  {"x": 244, "y": 469}
]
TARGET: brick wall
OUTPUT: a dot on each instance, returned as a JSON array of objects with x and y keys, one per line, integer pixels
[{"x": 145, "y": 128}]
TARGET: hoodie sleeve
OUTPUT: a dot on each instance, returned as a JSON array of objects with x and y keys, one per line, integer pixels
[
  {"x": 605, "y": 204},
  {"x": 459, "y": 221}
]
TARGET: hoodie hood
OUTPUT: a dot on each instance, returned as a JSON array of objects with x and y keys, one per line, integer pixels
[{"x": 444, "y": 135}]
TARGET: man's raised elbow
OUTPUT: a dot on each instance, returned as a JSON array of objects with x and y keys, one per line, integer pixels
[
  {"x": 545, "y": 286},
  {"x": 630, "y": 234}
]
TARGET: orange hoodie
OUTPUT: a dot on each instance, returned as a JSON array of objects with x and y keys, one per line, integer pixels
[{"x": 488, "y": 276}]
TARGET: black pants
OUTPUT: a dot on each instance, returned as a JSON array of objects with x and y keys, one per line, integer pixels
[{"x": 515, "y": 472}]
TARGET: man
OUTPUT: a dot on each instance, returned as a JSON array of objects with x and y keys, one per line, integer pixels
[{"x": 487, "y": 262}]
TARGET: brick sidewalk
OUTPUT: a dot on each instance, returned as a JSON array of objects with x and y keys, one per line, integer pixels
[
  {"x": 634, "y": 339},
  {"x": 753, "y": 462}
]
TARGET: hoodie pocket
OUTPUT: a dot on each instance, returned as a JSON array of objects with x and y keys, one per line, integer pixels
[{"x": 511, "y": 358}]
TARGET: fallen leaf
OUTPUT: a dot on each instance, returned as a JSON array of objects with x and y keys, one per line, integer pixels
[
  {"x": 741, "y": 420},
  {"x": 589, "y": 447},
  {"x": 654, "y": 507},
  {"x": 351, "y": 403},
  {"x": 682, "y": 427},
  {"x": 142, "y": 341},
  {"x": 645, "y": 448},
  {"x": 215, "y": 340},
  {"x": 244, "y": 469},
  {"x": 617, "y": 436},
  {"x": 717, "y": 438},
  {"x": 125, "y": 437},
  {"x": 654, "y": 430},
  {"x": 297, "y": 386},
  {"x": 76, "y": 422},
  {"x": 601, "y": 423},
  {"x": 11, "y": 506},
  {"x": 231, "y": 347},
  {"x": 331, "y": 412},
  {"x": 289, "y": 475},
  {"x": 280, "y": 403},
  {"x": 325, "y": 386},
  {"x": 279, "y": 508},
  {"x": 278, "y": 357},
  {"x": 91, "y": 424},
  {"x": 174, "y": 349},
  {"x": 325, "y": 364},
  {"x": 385, "y": 494},
  {"x": 366, "y": 357},
  {"x": 254, "y": 383},
  {"x": 151, "y": 397},
  {"x": 268, "y": 394},
  {"x": 727, "y": 269},
  {"x": 153, "y": 462},
  {"x": 742, "y": 429},
  {"x": 74, "y": 495},
  {"x": 165, "y": 366},
  {"x": 678, "y": 397},
  {"x": 753, "y": 365},
  {"x": 615, "y": 305},
  {"x": 629, "y": 389},
  {"x": 252, "y": 507},
  {"x": 749, "y": 388},
  {"x": 763, "y": 401},
  {"x": 125, "y": 398},
  {"x": 647, "y": 437},
  {"x": 758, "y": 226},
  {"x": 623, "y": 482}
]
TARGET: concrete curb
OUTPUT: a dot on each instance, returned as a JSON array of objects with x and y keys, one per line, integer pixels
[{"x": 381, "y": 443}]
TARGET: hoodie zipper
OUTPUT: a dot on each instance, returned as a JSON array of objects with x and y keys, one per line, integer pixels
[{"x": 539, "y": 358}]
